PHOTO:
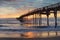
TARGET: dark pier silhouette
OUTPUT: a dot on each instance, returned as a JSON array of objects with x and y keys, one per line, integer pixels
[{"x": 47, "y": 10}]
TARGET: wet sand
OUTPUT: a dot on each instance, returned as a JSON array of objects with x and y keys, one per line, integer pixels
[{"x": 51, "y": 38}]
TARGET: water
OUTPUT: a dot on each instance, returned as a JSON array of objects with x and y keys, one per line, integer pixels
[{"x": 11, "y": 27}]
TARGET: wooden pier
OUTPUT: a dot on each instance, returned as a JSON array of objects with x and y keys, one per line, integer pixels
[{"x": 47, "y": 10}]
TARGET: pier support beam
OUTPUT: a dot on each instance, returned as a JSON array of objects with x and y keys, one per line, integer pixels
[
  {"x": 33, "y": 21},
  {"x": 48, "y": 12},
  {"x": 47, "y": 20},
  {"x": 40, "y": 19},
  {"x": 55, "y": 15}
]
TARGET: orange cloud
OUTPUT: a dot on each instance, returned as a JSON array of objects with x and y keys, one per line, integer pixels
[
  {"x": 9, "y": 13},
  {"x": 12, "y": 13}
]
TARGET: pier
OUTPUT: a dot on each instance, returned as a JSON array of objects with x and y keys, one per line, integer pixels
[{"x": 47, "y": 10}]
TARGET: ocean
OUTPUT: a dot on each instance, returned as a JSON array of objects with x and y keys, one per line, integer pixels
[{"x": 11, "y": 27}]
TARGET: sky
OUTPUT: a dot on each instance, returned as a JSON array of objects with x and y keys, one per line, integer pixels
[{"x": 15, "y": 8}]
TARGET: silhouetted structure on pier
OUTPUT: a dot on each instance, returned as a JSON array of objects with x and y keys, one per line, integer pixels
[{"x": 44, "y": 10}]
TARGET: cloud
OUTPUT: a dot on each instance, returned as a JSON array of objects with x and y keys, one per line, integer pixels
[
  {"x": 7, "y": 10},
  {"x": 10, "y": 12},
  {"x": 7, "y": 0}
]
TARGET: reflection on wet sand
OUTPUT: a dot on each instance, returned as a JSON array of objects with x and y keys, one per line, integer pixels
[
  {"x": 30, "y": 34},
  {"x": 13, "y": 35},
  {"x": 41, "y": 34}
]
